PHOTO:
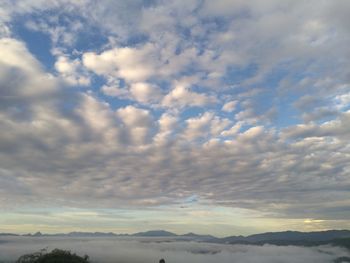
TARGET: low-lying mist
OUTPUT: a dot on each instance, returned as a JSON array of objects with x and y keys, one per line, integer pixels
[{"x": 150, "y": 250}]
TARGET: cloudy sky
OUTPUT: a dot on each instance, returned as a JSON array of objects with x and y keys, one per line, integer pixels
[{"x": 222, "y": 117}]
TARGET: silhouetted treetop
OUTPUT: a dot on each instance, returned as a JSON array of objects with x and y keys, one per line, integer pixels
[{"x": 55, "y": 256}]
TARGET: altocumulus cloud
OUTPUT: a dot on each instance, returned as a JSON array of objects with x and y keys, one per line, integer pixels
[{"x": 181, "y": 98}]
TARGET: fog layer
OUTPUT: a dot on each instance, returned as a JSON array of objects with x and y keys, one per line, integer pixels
[{"x": 150, "y": 250}]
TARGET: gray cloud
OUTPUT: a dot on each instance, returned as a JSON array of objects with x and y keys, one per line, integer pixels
[
  {"x": 63, "y": 146},
  {"x": 94, "y": 155}
]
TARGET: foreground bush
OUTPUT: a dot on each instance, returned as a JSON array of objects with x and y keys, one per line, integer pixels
[{"x": 55, "y": 256}]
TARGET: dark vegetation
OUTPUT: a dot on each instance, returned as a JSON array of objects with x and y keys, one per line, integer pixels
[{"x": 55, "y": 256}]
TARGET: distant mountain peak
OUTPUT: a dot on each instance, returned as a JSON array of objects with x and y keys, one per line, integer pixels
[
  {"x": 190, "y": 234},
  {"x": 316, "y": 236},
  {"x": 155, "y": 233},
  {"x": 37, "y": 234}
]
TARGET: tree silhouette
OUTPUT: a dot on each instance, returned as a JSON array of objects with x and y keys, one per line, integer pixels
[{"x": 55, "y": 256}]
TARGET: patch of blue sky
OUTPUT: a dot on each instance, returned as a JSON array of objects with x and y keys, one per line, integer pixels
[
  {"x": 287, "y": 114},
  {"x": 136, "y": 39},
  {"x": 191, "y": 199},
  {"x": 183, "y": 32},
  {"x": 216, "y": 23},
  {"x": 156, "y": 112},
  {"x": 114, "y": 101},
  {"x": 192, "y": 112},
  {"x": 264, "y": 101},
  {"x": 149, "y": 3},
  {"x": 163, "y": 84},
  {"x": 237, "y": 74},
  {"x": 97, "y": 82},
  {"x": 346, "y": 108},
  {"x": 38, "y": 44},
  {"x": 91, "y": 39},
  {"x": 86, "y": 38},
  {"x": 200, "y": 89}
]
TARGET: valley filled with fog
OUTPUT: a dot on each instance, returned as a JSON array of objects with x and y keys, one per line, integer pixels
[{"x": 150, "y": 250}]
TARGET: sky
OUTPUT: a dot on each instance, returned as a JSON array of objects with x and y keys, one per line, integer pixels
[{"x": 221, "y": 117}]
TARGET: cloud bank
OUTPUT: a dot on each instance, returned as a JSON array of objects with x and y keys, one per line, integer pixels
[{"x": 148, "y": 251}]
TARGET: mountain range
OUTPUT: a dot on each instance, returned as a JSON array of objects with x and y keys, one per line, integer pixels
[{"x": 336, "y": 237}]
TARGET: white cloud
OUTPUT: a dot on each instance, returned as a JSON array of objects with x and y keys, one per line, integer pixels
[
  {"x": 223, "y": 7},
  {"x": 218, "y": 125},
  {"x": 233, "y": 130},
  {"x": 135, "y": 117},
  {"x": 71, "y": 71},
  {"x": 131, "y": 64},
  {"x": 167, "y": 126},
  {"x": 138, "y": 122},
  {"x": 205, "y": 125},
  {"x": 181, "y": 96},
  {"x": 248, "y": 116},
  {"x": 96, "y": 114},
  {"x": 230, "y": 106},
  {"x": 167, "y": 122},
  {"x": 199, "y": 126},
  {"x": 335, "y": 128},
  {"x": 342, "y": 101},
  {"x": 252, "y": 133},
  {"x": 145, "y": 93},
  {"x": 17, "y": 65},
  {"x": 114, "y": 91}
]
